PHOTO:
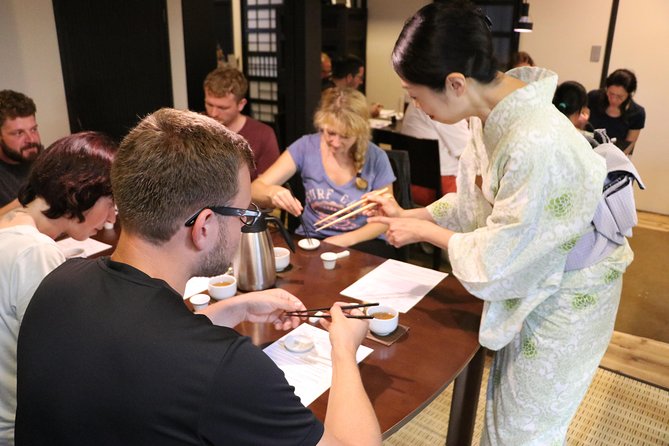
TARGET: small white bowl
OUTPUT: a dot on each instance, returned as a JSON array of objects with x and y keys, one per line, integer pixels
[
  {"x": 383, "y": 327},
  {"x": 281, "y": 258},
  {"x": 199, "y": 301},
  {"x": 222, "y": 287},
  {"x": 309, "y": 244}
]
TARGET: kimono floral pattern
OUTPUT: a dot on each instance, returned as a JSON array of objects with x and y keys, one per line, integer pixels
[{"x": 541, "y": 185}]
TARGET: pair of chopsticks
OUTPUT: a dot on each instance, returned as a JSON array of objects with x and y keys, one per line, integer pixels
[
  {"x": 351, "y": 207},
  {"x": 310, "y": 312}
]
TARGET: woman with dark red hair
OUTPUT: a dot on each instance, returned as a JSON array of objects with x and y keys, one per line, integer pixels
[{"x": 68, "y": 192}]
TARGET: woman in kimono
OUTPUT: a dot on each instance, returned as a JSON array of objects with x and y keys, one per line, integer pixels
[{"x": 549, "y": 308}]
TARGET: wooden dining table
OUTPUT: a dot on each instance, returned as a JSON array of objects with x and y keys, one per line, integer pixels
[{"x": 440, "y": 347}]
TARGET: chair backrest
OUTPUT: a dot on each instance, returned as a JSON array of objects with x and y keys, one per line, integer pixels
[
  {"x": 423, "y": 156},
  {"x": 424, "y": 168},
  {"x": 399, "y": 161}
]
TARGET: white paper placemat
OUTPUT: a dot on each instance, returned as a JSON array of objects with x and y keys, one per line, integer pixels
[
  {"x": 309, "y": 372},
  {"x": 89, "y": 246},
  {"x": 399, "y": 285}
]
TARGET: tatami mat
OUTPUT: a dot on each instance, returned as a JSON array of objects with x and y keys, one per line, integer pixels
[{"x": 616, "y": 411}]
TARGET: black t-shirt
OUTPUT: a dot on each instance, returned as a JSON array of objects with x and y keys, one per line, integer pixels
[
  {"x": 634, "y": 118},
  {"x": 108, "y": 355},
  {"x": 12, "y": 177}
]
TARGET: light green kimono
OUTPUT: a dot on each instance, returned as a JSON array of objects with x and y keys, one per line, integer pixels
[{"x": 541, "y": 185}]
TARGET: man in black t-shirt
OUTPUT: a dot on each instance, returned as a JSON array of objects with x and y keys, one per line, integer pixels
[
  {"x": 109, "y": 354},
  {"x": 19, "y": 142}
]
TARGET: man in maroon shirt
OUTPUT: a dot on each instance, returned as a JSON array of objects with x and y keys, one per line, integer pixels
[{"x": 224, "y": 99}]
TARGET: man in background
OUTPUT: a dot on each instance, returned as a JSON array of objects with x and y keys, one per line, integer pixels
[
  {"x": 326, "y": 70},
  {"x": 349, "y": 72},
  {"x": 20, "y": 144},
  {"x": 225, "y": 89}
]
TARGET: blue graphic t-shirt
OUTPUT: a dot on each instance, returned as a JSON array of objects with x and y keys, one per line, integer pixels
[{"x": 323, "y": 196}]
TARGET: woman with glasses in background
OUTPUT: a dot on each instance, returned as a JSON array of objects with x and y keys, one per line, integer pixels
[
  {"x": 338, "y": 165},
  {"x": 612, "y": 108}
]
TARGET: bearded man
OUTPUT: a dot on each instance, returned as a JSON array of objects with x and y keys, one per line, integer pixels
[{"x": 19, "y": 142}]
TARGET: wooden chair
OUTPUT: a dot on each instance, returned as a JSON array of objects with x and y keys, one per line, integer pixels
[{"x": 424, "y": 165}]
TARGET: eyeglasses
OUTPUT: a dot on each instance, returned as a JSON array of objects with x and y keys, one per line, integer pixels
[{"x": 247, "y": 216}]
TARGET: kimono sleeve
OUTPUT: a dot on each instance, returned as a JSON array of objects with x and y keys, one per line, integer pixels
[{"x": 536, "y": 217}]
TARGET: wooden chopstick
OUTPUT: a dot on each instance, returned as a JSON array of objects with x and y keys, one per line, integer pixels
[
  {"x": 344, "y": 217},
  {"x": 350, "y": 206},
  {"x": 345, "y": 307}
]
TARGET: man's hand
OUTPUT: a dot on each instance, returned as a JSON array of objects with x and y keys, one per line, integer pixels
[
  {"x": 271, "y": 306},
  {"x": 261, "y": 306},
  {"x": 346, "y": 334}
]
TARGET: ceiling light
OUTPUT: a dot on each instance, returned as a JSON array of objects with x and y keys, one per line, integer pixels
[{"x": 524, "y": 24}]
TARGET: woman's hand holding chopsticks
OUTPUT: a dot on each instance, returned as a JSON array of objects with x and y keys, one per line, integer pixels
[
  {"x": 385, "y": 206},
  {"x": 355, "y": 208},
  {"x": 284, "y": 199}
]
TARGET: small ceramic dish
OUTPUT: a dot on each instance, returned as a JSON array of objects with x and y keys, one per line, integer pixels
[
  {"x": 298, "y": 343},
  {"x": 281, "y": 258},
  {"x": 222, "y": 287},
  {"x": 309, "y": 244},
  {"x": 199, "y": 301}
]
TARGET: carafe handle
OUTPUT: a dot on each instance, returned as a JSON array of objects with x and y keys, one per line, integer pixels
[{"x": 284, "y": 233}]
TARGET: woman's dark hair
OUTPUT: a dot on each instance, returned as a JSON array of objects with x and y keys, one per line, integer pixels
[
  {"x": 443, "y": 38},
  {"x": 71, "y": 174},
  {"x": 622, "y": 78},
  {"x": 570, "y": 97}
]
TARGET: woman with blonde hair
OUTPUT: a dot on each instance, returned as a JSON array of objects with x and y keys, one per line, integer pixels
[{"x": 338, "y": 166}]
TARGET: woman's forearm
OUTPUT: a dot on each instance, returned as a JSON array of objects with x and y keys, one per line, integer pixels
[
  {"x": 369, "y": 231},
  {"x": 419, "y": 213},
  {"x": 261, "y": 193}
]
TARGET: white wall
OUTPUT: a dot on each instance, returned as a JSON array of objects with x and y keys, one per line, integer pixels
[
  {"x": 384, "y": 23},
  {"x": 640, "y": 44},
  {"x": 177, "y": 54},
  {"x": 561, "y": 41},
  {"x": 564, "y": 32},
  {"x": 31, "y": 62}
]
